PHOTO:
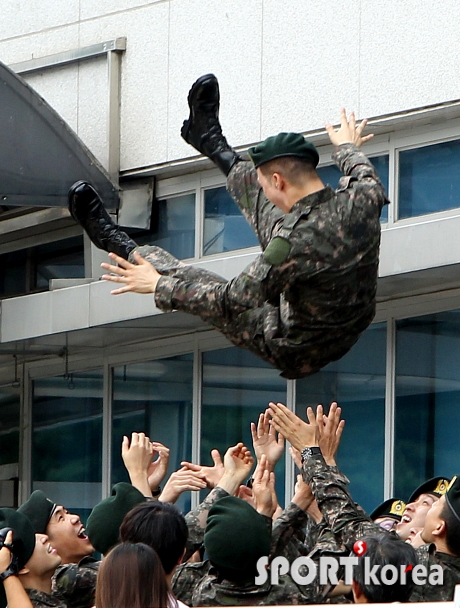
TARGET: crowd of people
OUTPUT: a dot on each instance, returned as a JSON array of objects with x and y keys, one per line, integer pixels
[{"x": 239, "y": 546}]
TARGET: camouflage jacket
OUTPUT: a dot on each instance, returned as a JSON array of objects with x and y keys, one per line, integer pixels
[
  {"x": 196, "y": 521},
  {"x": 349, "y": 522},
  {"x": 75, "y": 584},
  {"x": 315, "y": 282},
  {"x": 40, "y": 599},
  {"x": 450, "y": 564}
]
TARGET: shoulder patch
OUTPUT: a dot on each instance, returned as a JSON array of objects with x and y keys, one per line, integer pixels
[{"x": 277, "y": 251}]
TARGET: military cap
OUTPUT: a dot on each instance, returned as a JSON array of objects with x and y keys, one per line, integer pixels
[
  {"x": 105, "y": 519},
  {"x": 393, "y": 507},
  {"x": 23, "y": 540},
  {"x": 38, "y": 509},
  {"x": 453, "y": 496},
  {"x": 284, "y": 144},
  {"x": 235, "y": 537},
  {"x": 435, "y": 485}
]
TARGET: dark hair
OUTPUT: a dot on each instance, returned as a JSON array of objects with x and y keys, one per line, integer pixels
[
  {"x": 452, "y": 529},
  {"x": 161, "y": 526},
  {"x": 131, "y": 575},
  {"x": 294, "y": 169},
  {"x": 382, "y": 550}
]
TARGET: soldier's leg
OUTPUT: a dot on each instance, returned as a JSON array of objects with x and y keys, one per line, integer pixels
[{"x": 203, "y": 131}]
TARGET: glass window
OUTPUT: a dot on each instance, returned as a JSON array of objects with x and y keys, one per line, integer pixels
[
  {"x": 154, "y": 397},
  {"x": 225, "y": 228},
  {"x": 330, "y": 174},
  {"x": 427, "y": 417},
  {"x": 237, "y": 387},
  {"x": 30, "y": 270},
  {"x": 67, "y": 439},
  {"x": 59, "y": 260},
  {"x": 429, "y": 179},
  {"x": 172, "y": 226},
  {"x": 357, "y": 383},
  {"x": 9, "y": 426}
]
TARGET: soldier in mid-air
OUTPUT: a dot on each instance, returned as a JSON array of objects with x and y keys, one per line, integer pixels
[{"x": 307, "y": 298}]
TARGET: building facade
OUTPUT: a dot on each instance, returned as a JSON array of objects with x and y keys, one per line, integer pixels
[{"x": 80, "y": 368}]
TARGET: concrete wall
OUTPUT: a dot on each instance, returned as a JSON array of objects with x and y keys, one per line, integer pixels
[{"x": 281, "y": 65}]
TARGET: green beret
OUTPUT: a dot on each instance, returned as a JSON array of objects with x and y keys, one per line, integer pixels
[
  {"x": 284, "y": 144},
  {"x": 235, "y": 537},
  {"x": 436, "y": 485},
  {"x": 104, "y": 521},
  {"x": 453, "y": 496},
  {"x": 23, "y": 540},
  {"x": 393, "y": 507},
  {"x": 38, "y": 509}
]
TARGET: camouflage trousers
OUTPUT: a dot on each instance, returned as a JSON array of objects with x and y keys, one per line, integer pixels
[{"x": 248, "y": 328}]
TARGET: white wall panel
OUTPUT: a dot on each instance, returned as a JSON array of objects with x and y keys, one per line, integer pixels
[
  {"x": 25, "y": 47},
  {"x": 26, "y": 17},
  {"x": 144, "y": 80},
  {"x": 310, "y": 60},
  {"x": 90, "y": 9},
  {"x": 409, "y": 54},
  {"x": 225, "y": 38}
]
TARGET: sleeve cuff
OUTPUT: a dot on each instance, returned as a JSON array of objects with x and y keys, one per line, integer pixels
[{"x": 164, "y": 293}]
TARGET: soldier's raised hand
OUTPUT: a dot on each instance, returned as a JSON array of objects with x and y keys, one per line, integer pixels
[{"x": 348, "y": 132}]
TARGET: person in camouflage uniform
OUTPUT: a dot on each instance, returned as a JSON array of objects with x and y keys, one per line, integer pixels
[
  {"x": 306, "y": 299},
  {"x": 349, "y": 522},
  {"x": 33, "y": 561}
]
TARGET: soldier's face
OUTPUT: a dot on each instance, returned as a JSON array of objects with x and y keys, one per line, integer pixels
[
  {"x": 414, "y": 515},
  {"x": 45, "y": 558},
  {"x": 433, "y": 520},
  {"x": 67, "y": 535}
]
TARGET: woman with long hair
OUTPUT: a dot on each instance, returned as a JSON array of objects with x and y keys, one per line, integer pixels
[{"x": 131, "y": 576}]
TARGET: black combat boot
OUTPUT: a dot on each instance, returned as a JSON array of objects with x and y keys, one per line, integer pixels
[
  {"x": 202, "y": 130},
  {"x": 87, "y": 209}
]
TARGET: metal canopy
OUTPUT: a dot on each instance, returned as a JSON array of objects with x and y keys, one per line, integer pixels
[{"x": 40, "y": 155}]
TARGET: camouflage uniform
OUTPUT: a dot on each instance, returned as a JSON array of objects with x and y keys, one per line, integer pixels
[
  {"x": 306, "y": 299},
  {"x": 75, "y": 584},
  {"x": 348, "y": 521},
  {"x": 40, "y": 599},
  {"x": 196, "y": 521}
]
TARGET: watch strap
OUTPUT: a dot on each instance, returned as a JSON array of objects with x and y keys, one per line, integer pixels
[{"x": 307, "y": 453}]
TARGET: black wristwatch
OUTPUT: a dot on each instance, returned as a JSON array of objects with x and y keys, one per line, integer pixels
[
  {"x": 157, "y": 492},
  {"x": 12, "y": 570},
  {"x": 307, "y": 453}
]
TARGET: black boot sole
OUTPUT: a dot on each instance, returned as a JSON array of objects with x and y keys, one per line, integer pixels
[{"x": 193, "y": 98}]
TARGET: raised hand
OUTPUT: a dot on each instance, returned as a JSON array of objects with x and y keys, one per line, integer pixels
[
  {"x": 348, "y": 132},
  {"x": 263, "y": 488},
  {"x": 137, "y": 456},
  {"x": 212, "y": 475},
  {"x": 265, "y": 441},
  {"x": 157, "y": 469},
  {"x": 294, "y": 429},
  {"x": 330, "y": 429},
  {"x": 141, "y": 277},
  {"x": 182, "y": 480}
]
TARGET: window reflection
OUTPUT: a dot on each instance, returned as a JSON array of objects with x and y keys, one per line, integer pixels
[
  {"x": 429, "y": 179},
  {"x": 237, "y": 387},
  {"x": 67, "y": 438},
  {"x": 357, "y": 383},
  {"x": 9, "y": 426},
  {"x": 154, "y": 397},
  {"x": 172, "y": 226},
  {"x": 225, "y": 228},
  {"x": 427, "y": 415}
]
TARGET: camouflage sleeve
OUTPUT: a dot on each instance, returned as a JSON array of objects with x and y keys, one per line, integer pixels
[
  {"x": 288, "y": 533},
  {"x": 196, "y": 521},
  {"x": 346, "y": 519},
  {"x": 186, "y": 578},
  {"x": 353, "y": 163},
  {"x": 243, "y": 186},
  {"x": 76, "y": 585}
]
